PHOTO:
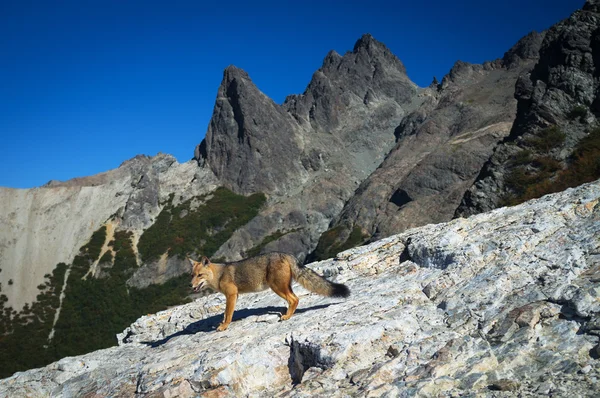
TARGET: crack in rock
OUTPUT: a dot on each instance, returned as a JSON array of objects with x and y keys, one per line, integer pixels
[{"x": 304, "y": 356}]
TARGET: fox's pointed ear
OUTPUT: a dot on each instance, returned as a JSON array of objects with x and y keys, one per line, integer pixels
[
  {"x": 192, "y": 262},
  {"x": 205, "y": 261}
]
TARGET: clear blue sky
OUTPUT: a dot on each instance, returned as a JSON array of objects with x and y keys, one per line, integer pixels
[{"x": 85, "y": 85}]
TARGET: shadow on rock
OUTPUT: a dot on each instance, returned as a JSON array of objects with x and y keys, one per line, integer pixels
[{"x": 210, "y": 324}]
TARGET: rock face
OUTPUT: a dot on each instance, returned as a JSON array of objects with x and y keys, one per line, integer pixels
[
  {"x": 310, "y": 153},
  {"x": 44, "y": 226},
  {"x": 506, "y": 300},
  {"x": 561, "y": 91},
  {"x": 241, "y": 137},
  {"x": 441, "y": 147},
  {"x": 255, "y": 145}
]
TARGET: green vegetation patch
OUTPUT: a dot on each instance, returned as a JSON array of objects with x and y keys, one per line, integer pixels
[
  {"x": 544, "y": 174},
  {"x": 93, "y": 310},
  {"x": 107, "y": 258},
  {"x": 88, "y": 253},
  {"x": 268, "y": 239},
  {"x": 181, "y": 230},
  {"x": 522, "y": 158},
  {"x": 23, "y": 335},
  {"x": 329, "y": 244},
  {"x": 578, "y": 112},
  {"x": 546, "y": 139}
]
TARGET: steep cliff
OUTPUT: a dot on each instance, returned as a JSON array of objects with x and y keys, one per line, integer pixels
[
  {"x": 44, "y": 226},
  {"x": 441, "y": 147},
  {"x": 557, "y": 110},
  {"x": 347, "y": 111},
  {"x": 310, "y": 153}
]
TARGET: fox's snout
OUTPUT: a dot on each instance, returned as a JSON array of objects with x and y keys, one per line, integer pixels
[{"x": 197, "y": 286}]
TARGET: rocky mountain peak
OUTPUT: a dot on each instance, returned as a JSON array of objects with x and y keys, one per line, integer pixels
[
  {"x": 365, "y": 41},
  {"x": 368, "y": 74},
  {"x": 558, "y": 97},
  {"x": 376, "y": 50},
  {"x": 592, "y": 5},
  {"x": 370, "y": 45},
  {"x": 235, "y": 81},
  {"x": 253, "y": 144},
  {"x": 332, "y": 57},
  {"x": 528, "y": 48},
  {"x": 245, "y": 127},
  {"x": 232, "y": 72},
  {"x": 462, "y": 73}
]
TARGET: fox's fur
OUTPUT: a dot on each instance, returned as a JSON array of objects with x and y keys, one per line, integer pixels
[{"x": 271, "y": 270}]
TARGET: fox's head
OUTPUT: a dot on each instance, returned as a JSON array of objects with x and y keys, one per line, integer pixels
[{"x": 202, "y": 274}]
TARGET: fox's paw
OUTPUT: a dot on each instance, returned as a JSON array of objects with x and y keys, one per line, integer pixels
[
  {"x": 285, "y": 317},
  {"x": 222, "y": 327}
]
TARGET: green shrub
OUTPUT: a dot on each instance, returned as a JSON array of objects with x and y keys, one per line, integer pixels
[
  {"x": 589, "y": 146},
  {"x": 521, "y": 158},
  {"x": 546, "y": 139},
  {"x": 329, "y": 244},
  {"x": 24, "y": 335},
  {"x": 94, "y": 246},
  {"x": 546, "y": 164},
  {"x": 125, "y": 261},
  {"x": 93, "y": 310},
  {"x": 88, "y": 253},
  {"x": 578, "y": 112},
  {"x": 107, "y": 258},
  {"x": 548, "y": 177}
]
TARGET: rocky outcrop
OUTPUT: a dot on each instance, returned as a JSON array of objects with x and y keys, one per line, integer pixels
[
  {"x": 359, "y": 79},
  {"x": 255, "y": 145},
  {"x": 441, "y": 148},
  {"x": 527, "y": 49},
  {"x": 561, "y": 93},
  {"x": 252, "y": 144},
  {"x": 310, "y": 153},
  {"x": 506, "y": 300},
  {"x": 44, "y": 226}
]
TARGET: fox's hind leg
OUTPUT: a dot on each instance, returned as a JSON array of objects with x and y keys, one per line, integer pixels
[{"x": 288, "y": 295}]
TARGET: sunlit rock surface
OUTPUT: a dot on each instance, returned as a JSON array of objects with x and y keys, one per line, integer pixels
[{"x": 507, "y": 300}]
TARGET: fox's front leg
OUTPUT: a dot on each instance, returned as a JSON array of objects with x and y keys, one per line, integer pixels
[{"x": 229, "y": 307}]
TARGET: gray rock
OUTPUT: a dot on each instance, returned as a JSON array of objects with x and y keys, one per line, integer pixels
[
  {"x": 158, "y": 271},
  {"x": 310, "y": 153},
  {"x": 504, "y": 385},
  {"x": 511, "y": 265},
  {"x": 241, "y": 135},
  {"x": 44, "y": 226},
  {"x": 528, "y": 48},
  {"x": 441, "y": 148},
  {"x": 563, "y": 78},
  {"x": 255, "y": 145}
]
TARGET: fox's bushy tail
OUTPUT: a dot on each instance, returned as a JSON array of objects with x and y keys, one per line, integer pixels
[{"x": 314, "y": 282}]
